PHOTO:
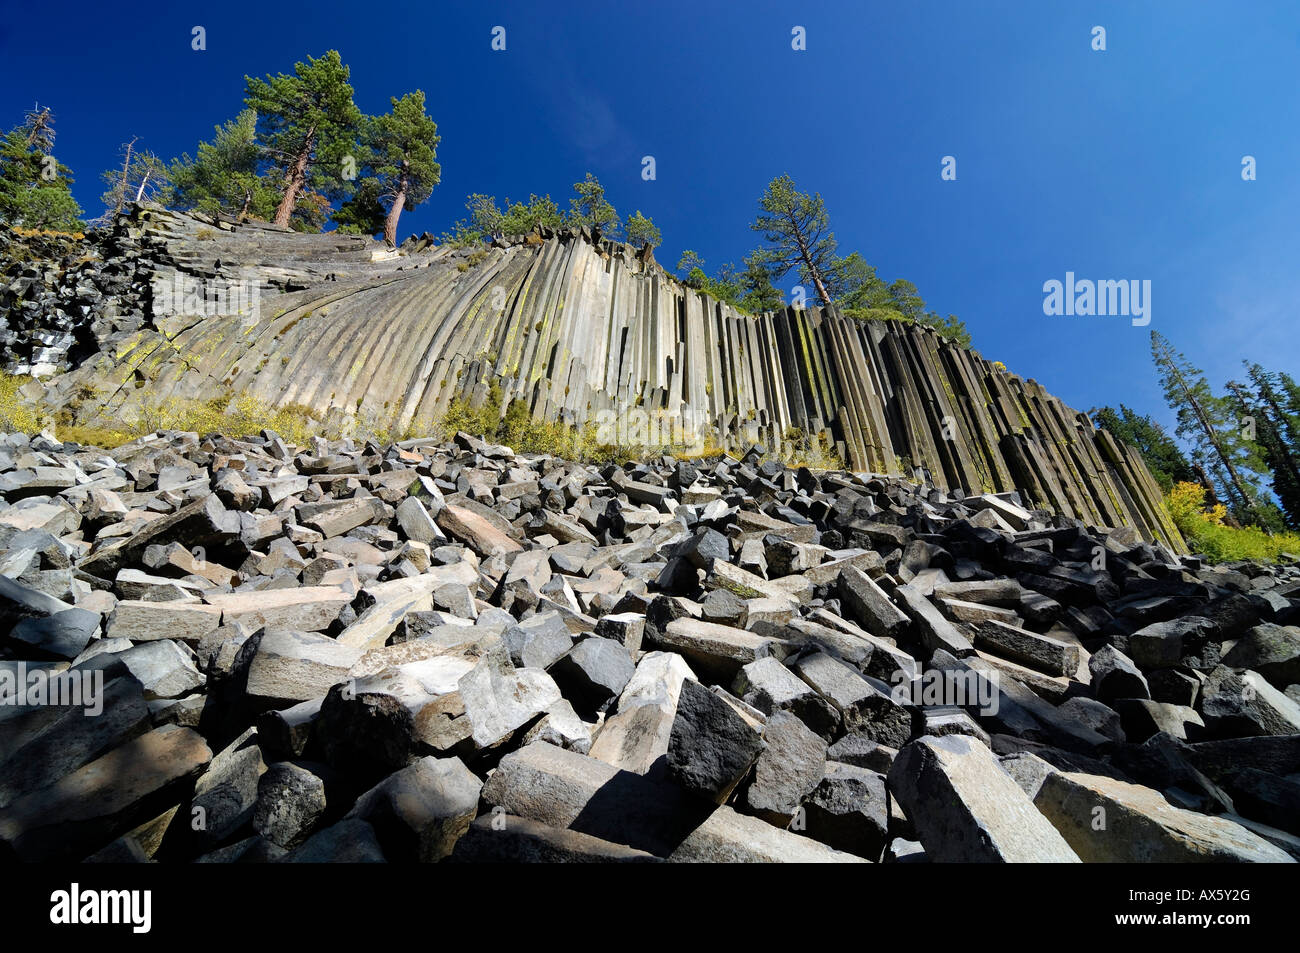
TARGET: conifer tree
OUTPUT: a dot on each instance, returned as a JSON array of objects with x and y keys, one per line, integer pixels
[
  {"x": 1212, "y": 427},
  {"x": 308, "y": 126}
]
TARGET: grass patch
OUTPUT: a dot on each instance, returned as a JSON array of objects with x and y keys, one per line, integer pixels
[{"x": 239, "y": 416}]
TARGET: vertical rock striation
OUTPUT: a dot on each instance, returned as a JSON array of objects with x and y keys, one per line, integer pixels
[{"x": 590, "y": 332}]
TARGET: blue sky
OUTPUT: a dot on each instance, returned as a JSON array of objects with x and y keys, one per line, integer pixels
[{"x": 1117, "y": 164}]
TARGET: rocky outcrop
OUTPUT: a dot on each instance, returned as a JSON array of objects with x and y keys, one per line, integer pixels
[{"x": 586, "y": 331}]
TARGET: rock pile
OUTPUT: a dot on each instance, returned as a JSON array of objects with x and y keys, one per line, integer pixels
[
  {"x": 242, "y": 650},
  {"x": 62, "y": 298}
]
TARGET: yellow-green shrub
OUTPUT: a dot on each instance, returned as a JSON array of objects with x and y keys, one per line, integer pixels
[{"x": 1207, "y": 533}]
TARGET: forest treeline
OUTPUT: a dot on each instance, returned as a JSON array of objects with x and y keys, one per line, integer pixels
[{"x": 301, "y": 154}]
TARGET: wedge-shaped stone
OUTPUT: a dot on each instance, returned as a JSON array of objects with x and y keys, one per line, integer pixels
[
  {"x": 934, "y": 630},
  {"x": 771, "y": 687},
  {"x": 452, "y": 703},
  {"x": 869, "y": 605},
  {"x": 863, "y": 706},
  {"x": 506, "y": 839},
  {"x": 565, "y": 789},
  {"x": 966, "y": 809},
  {"x": 62, "y": 635},
  {"x": 1053, "y": 656},
  {"x": 475, "y": 531},
  {"x": 1271, "y": 650},
  {"x": 730, "y": 838},
  {"x": 849, "y": 810},
  {"x": 203, "y": 523},
  {"x": 336, "y": 517},
  {"x": 227, "y": 791},
  {"x": 1141, "y": 826},
  {"x": 716, "y": 650},
  {"x": 1234, "y": 704},
  {"x": 635, "y": 737},
  {"x": 788, "y": 768}
]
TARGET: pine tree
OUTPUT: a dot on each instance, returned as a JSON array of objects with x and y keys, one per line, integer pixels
[
  {"x": 223, "y": 178},
  {"x": 402, "y": 145},
  {"x": 35, "y": 187},
  {"x": 795, "y": 226},
  {"x": 1276, "y": 433},
  {"x": 760, "y": 294},
  {"x": 1209, "y": 424},
  {"x": 308, "y": 127},
  {"x": 592, "y": 209},
  {"x": 641, "y": 231},
  {"x": 142, "y": 176}
]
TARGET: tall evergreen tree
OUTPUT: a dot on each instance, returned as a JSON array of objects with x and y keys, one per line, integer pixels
[
  {"x": 1275, "y": 433},
  {"x": 308, "y": 126},
  {"x": 403, "y": 145},
  {"x": 223, "y": 176},
  {"x": 1211, "y": 426},
  {"x": 35, "y": 188},
  {"x": 796, "y": 228}
]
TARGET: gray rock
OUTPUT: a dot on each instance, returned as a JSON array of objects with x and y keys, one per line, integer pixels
[
  {"x": 965, "y": 808},
  {"x": 420, "y": 812},
  {"x": 1105, "y": 820},
  {"x": 712, "y": 745},
  {"x": 788, "y": 768},
  {"x": 849, "y": 810},
  {"x": 290, "y": 804}
]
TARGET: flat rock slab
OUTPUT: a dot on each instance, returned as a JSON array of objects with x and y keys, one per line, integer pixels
[
  {"x": 730, "y": 838},
  {"x": 712, "y": 649},
  {"x": 506, "y": 839},
  {"x": 148, "y": 621},
  {"x": 565, "y": 789},
  {"x": 475, "y": 531},
  {"x": 277, "y": 668}
]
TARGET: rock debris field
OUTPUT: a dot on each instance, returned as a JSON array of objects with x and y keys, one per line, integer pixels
[{"x": 223, "y": 650}]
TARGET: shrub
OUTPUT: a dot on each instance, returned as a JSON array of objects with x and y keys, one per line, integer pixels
[{"x": 1207, "y": 533}]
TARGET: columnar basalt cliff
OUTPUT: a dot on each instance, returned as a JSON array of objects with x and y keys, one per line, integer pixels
[{"x": 581, "y": 330}]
